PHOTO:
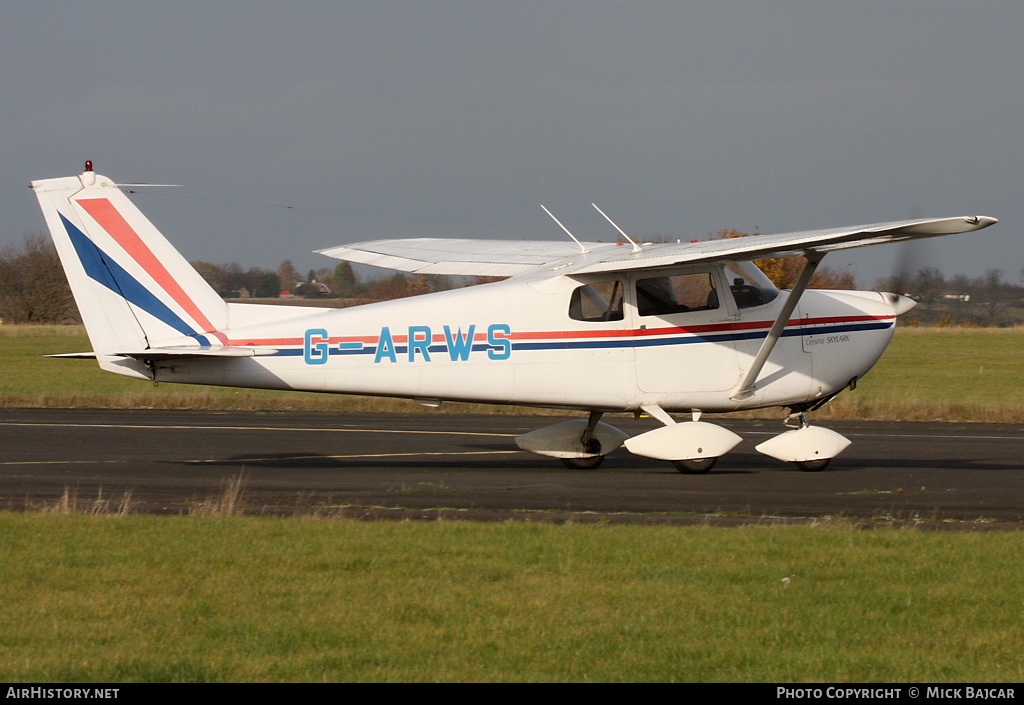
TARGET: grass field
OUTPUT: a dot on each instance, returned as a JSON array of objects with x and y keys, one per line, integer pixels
[
  {"x": 152, "y": 599},
  {"x": 955, "y": 374},
  {"x": 968, "y": 374}
]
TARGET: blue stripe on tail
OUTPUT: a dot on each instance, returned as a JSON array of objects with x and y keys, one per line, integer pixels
[{"x": 106, "y": 271}]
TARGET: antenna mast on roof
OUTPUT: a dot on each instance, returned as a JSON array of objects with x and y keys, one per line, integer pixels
[
  {"x": 636, "y": 247},
  {"x": 583, "y": 250}
]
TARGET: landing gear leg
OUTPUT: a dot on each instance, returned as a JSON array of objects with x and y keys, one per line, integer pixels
[
  {"x": 591, "y": 444},
  {"x": 798, "y": 420}
]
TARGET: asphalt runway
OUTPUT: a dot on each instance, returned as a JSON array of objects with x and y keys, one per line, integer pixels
[{"x": 433, "y": 465}]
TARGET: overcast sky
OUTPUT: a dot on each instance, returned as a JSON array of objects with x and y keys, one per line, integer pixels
[{"x": 458, "y": 119}]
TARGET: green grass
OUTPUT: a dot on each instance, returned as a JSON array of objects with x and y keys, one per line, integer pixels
[
  {"x": 152, "y": 599},
  {"x": 954, "y": 374},
  {"x": 965, "y": 374}
]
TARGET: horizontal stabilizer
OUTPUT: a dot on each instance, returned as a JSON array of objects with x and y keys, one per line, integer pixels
[
  {"x": 154, "y": 354},
  {"x": 75, "y": 356}
]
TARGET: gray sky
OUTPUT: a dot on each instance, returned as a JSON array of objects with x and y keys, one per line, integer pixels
[{"x": 458, "y": 119}]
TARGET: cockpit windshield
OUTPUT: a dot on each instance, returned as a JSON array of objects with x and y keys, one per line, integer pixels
[{"x": 749, "y": 285}]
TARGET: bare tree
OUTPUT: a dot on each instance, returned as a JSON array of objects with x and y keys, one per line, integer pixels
[{"x": 33, "y": 288}]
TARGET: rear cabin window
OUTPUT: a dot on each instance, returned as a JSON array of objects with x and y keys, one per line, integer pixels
[
  {"x": 662, "y": 296},
  {"x": 600, "y": 301}
]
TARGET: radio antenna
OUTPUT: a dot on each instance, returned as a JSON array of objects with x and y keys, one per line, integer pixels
[
  {"x": 636, "y": 247},
  {"x": 583, "y": 250}
]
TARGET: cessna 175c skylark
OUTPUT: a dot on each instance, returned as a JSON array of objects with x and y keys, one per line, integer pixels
[{"x": 691, "y": 328}]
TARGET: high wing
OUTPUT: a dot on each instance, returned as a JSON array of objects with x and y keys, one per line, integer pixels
[{"x": 509, "y": 258}]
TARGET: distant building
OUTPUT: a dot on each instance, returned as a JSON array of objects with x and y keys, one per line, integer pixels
[{"x": 311, "y": 289}]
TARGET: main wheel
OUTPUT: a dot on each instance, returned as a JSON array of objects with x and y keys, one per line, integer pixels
[
  {"x": 812, "y": 465},
  {"x": 697, "y": 466},
  {"x": 583, "y": 463}
]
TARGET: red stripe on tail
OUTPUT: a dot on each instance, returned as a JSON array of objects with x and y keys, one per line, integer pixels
[{"x": 104, "y": 213}]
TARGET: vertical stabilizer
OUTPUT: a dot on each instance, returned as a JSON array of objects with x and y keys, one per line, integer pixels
[{"x": 133, "y": 289}]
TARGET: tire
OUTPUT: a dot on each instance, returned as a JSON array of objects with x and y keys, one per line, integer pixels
[
  {"x": 697, "y": 466},
  {"x": 813, "y": 465},
  {"x": 583, "y": 463}
]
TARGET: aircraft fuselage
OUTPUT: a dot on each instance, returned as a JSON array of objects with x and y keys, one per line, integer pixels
[{"x": 516, "y": 342}]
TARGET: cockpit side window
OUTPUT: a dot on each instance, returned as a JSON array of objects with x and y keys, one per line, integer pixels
[
  {"x": 660, "y": 296},
  {"x": 600, "y": 301},
  {"x": 749, "y": 285}
]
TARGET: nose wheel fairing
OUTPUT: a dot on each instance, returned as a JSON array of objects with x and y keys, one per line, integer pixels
[{"x": 810, "y": 448}]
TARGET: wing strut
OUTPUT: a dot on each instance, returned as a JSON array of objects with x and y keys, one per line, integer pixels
[{"x": 745, "y": 389}]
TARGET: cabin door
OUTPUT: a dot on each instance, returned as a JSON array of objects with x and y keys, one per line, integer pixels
[{"x": 684, "y": 333}]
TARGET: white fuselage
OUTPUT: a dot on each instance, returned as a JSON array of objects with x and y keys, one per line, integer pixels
[{"x": 514, "y": 342}]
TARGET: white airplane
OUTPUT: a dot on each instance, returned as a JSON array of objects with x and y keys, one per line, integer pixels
[{"x": 689, "y": 328}]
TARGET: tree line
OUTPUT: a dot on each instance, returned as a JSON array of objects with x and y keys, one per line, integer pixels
[
  {"x": 342, "y": 282},
  {"x": 33, "y": 288}
]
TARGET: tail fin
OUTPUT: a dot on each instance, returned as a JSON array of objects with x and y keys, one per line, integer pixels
[{"x": 133, "y": 289}]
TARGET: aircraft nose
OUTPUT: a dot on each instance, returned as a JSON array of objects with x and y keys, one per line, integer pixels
[{"x": 900, "y": 304}]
